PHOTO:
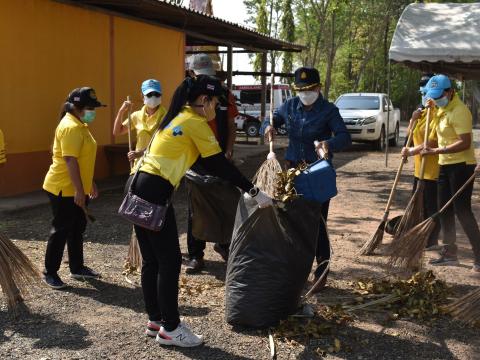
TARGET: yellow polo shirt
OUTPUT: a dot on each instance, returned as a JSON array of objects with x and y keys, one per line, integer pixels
[
  {"x": 72, "y": 138},
  {"x": 432, "y": 169},
  {"x": 453, "y": 120},
  {"x": 3, "y": 154},
  {"x": 177, "y": 147}
]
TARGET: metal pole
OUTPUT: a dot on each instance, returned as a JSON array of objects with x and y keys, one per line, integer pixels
[
  {"x": 463, "y": 90},
  {"x": 263, "y": 97},
  {"x": 388, "y": 114},
  {"x": 229, "y": 68}
]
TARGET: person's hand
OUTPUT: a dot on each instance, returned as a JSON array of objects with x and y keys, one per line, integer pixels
[
  {"x": 406, "y": 152},
  {"x": 229, "y": 154},
  {"x": 262, "y": 199},
  {"x": 125, "y": 106},
  {"x": 94, "y": 192},
  {"x": 477, "y": 168},
  {"x": 269, "y": 133},
  {"x": 79, "y": 199},
  {"x": 429, "y": 151},
  {"x": 430, "y": 103},
  {"x": 416, "y": 115},
  {"x": 132, "y": 155},
  {"x": 321, "y": 148}
]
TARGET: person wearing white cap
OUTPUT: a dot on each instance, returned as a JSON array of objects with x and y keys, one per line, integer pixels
[
  {"x": 457, "y": 164},
  {"x": 145, "y": 121},
  {"x": 224, "y": 128}
]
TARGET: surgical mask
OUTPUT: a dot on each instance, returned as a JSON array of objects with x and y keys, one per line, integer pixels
[
  {"x": 88, "y": 116},
  {"x": 424, "y": 100},
  {"x": 308, "y": 97},
  {"x": 152, "y": 102},
  {"x": 442, "y": 102}
]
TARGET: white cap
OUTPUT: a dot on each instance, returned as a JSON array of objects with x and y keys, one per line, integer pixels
[{"x": 201, "y": 64}]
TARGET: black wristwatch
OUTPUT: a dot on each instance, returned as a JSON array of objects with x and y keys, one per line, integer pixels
[{"x": 253, "y": 191}]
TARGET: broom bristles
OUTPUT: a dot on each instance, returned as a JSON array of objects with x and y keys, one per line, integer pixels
[
  {"x": 467, "y": 308},
  {"x": 407, "y": 252},
  {"x": 266, "y": 176},
  {"x": 133, "y": 262},
  {"x": 17, "y": 273},
  {"x": 369, "y": 247},
  {"x": 413, "y": 213}
]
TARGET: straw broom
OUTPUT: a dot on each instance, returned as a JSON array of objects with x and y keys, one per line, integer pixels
[
  {"x": 414, "y": 210},
  {"x": 17, "y": 273},
  {"x": 377, "y": 237},
  {"x": 406, "y": 253},
  {"x": 467, "y": 308},
  {"x": 266, "y": 175}
]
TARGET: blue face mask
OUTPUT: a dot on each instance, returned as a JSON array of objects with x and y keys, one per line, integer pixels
[
  {"x": 442, "y": 102},
  {"x": 89, "y": 116},
  {"x": 424, "y": 100}
]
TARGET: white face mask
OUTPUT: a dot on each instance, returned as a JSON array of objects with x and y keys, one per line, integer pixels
[
  {"x": 152, "y": 102},
  {"x": 308, "y": 97}
]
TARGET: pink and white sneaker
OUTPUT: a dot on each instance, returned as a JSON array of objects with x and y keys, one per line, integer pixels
[
  {"x": 153, "y": 327},
  {"x": 182, "y": 336}
]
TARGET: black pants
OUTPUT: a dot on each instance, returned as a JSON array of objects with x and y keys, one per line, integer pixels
[
  {"x": 430, "y": 206},
  {"x": 451, "y": 178},
  {"x": 68, "y": 226},
  {"x": 161, "y": 255},
  {"x": 323, "y": 242},
  {"x": 195, "y": 246}
]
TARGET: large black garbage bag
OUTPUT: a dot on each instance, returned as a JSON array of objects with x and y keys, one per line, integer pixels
[
  {"x": 271, "y": 255},
  {"x": 213, "y": 204}
]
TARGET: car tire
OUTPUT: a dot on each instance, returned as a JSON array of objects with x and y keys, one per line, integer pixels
[
  {"x": 379, "y": 144},
  {"x": 252, "y": 129},
  {"x": 393, "y": 142}
]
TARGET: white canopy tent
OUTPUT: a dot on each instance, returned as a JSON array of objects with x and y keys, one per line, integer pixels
[{"x": 438, "y": 38}]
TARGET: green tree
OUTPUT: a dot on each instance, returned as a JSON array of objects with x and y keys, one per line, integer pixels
[{"x": 287, "y": 33}]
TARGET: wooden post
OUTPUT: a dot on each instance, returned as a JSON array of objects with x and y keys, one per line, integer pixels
[
  {"x": 229, "y": 67},
  {"x": 263, "y": 98}
]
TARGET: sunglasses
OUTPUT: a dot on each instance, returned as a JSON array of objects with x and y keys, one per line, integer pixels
[{"x": 156, "y": 94}]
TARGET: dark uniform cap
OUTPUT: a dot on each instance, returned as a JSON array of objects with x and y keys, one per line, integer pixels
[
  {"x": 306, "y": 78},
  {"x": 84, "y": 97},
  {"x": 205, "y": 84}
]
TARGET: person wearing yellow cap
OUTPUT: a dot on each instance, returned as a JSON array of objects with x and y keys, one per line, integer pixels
[
  {"x": 144, "y": 121},
  {"x": 69, "y": 185},
  {"x": 457, "y": 165}
]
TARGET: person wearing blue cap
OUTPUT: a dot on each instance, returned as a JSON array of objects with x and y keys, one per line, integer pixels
[
  {"x": 308, "y": 118},
  {"x": 457, "y": 164},
  {"x": 144, "y": 121}
]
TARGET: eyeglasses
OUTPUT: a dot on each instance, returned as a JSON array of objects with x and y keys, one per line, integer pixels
[{"x": 156, "y": 94}]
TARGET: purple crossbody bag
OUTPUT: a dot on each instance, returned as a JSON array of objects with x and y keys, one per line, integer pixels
[{"x": 142, "y": 212}]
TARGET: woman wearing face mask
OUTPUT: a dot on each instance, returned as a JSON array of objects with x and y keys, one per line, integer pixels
[
  {"x": 309, "y": 117},
  {"x": 432, "y": 168},
  {"x": 69, "y": 184},
  {"x": 145, "y": 121},
  {"x": 457, "y": 164},
  {"x": 183, "y": 136}
]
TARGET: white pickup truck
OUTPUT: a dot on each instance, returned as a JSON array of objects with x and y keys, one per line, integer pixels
[{"x": 366, "y": 115}]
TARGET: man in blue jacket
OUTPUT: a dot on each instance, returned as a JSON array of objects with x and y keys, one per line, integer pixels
[{"x": 308, "y": 117}]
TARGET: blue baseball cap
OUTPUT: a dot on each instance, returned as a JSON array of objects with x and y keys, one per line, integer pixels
[
  {"x": 437, "y": 85},
  {"x": 151, "y": 85}
]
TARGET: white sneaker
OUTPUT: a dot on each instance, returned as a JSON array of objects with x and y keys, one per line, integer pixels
[
  {"x": 153, "y": 327},
  {"x": 182, "y": 336}
]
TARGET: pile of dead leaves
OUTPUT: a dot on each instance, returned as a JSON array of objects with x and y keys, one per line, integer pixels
[
  {"x": 421, "y": 297},
  {"x": 189, "y": 288},
  {"x": 285, "y": 183}
]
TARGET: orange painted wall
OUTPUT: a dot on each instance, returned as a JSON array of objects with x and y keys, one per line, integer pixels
[{"x": 49, "y": 48}]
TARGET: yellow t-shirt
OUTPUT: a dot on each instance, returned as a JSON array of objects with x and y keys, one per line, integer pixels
[
  {"x": 432, "y": 169},
  {"x": 72, "y": 138},
  {"x": 453, "y": 120},
  {"x": 3, "y": 154},
  {"x": 177, "y": 147}
]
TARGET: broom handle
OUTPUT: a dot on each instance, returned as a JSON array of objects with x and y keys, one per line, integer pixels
[
  {"x": 129, "y": 131},
  {"x": 457, "y": 194},
  {"x": 271, "y": 110},
  {"x": 425, "y": 143},
  {"x": 399, "y": 171}
]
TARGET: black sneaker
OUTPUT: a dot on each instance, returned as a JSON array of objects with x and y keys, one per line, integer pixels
[
  {"x": 221, "y": 251},
  {"x": 85, "y": 273},
  {"x": 194, "y": 266},
  {"x": 54, "y": 281}
]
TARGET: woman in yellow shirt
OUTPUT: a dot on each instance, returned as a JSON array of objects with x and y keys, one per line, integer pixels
[
  {"x": 145, "y": 121},
  {"x": 432, "y": 169},
  {"x": 183, "y": 136},
  {"x": 457, "y": 164},
  {"x": 69, "y": 184}
]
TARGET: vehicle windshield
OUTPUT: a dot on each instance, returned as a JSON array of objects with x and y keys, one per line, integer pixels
[{"x": 358, "y": 103}]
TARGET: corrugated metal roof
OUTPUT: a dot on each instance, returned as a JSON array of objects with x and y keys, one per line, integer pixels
[{"x": 200, "y": 28}]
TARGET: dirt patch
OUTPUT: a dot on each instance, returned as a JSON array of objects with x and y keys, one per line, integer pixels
[{"x": 105, "y": 319}]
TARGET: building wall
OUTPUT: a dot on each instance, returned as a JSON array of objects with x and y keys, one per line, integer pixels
[{"x": 49, "y": 48}]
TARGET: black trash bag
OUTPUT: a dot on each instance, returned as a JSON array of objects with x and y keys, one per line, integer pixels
[
  {"x": 213, "y": 203},
  {"x": 271, "y": 255}
]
